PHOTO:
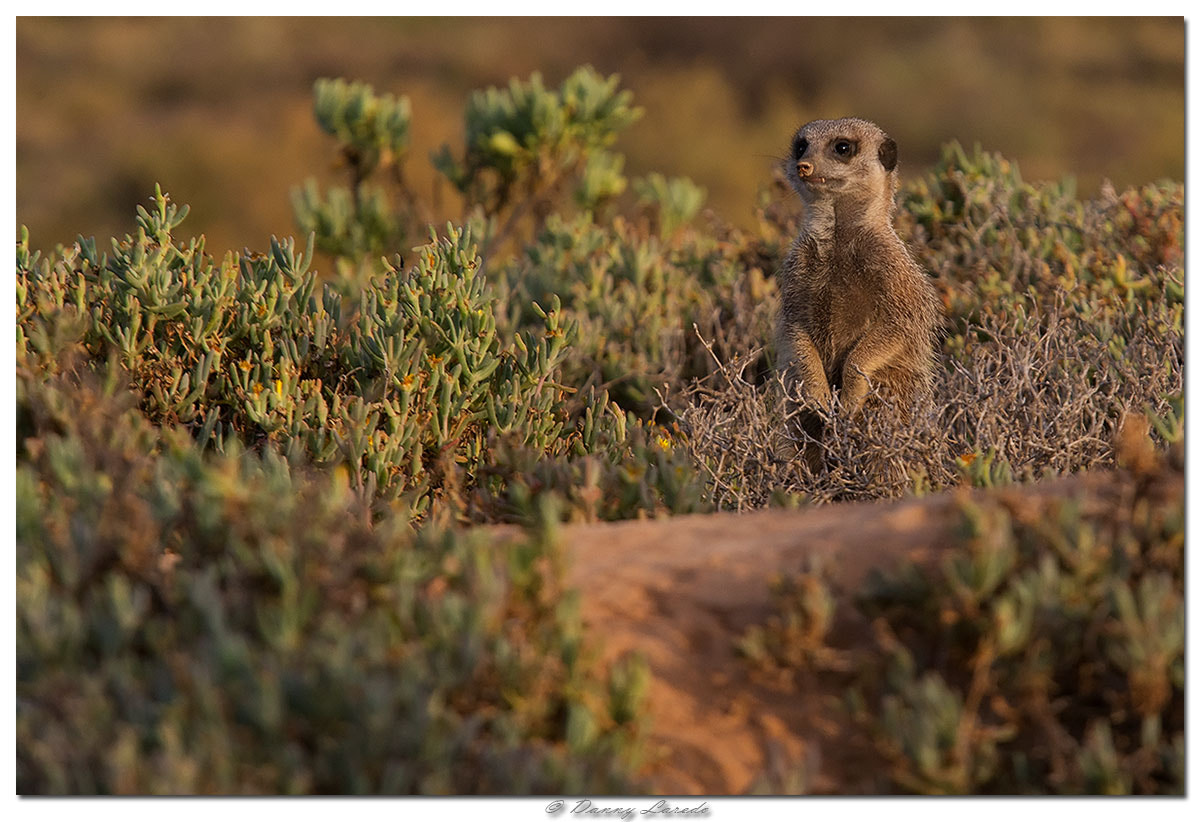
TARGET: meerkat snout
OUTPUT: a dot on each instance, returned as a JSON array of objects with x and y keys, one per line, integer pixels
[{"x": 804, "y": 168}]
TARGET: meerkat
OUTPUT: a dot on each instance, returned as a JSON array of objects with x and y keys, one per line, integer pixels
[{"x": 856, "y": 310}]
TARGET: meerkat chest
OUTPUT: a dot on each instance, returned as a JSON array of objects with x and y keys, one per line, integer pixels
[
  {"x": 840, "y": 297},
  {"x": 852, "y": 308}
]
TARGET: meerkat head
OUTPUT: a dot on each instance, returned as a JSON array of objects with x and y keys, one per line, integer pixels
[{"x": 848, "y": 161}]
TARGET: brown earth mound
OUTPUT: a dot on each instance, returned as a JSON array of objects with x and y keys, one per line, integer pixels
[{"x": 682, "y": 591}]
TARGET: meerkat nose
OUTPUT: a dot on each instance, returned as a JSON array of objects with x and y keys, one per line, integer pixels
[{"x": 804, "y": 168}]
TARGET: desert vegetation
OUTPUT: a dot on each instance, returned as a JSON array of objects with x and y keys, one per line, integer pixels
[
  {"x": 247, "y": 486},
  {"x": 1042, "y": 654},
  {"x": 98, "y": 127}
]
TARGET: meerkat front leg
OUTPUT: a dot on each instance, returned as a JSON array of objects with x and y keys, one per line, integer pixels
[
  {"x": 800, "y": 357},
  {"x": 876, "y": 349}
]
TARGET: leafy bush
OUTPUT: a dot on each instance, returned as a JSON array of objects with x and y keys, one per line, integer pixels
[
  {"x": 245, "y": 348},
  {"x": 198, "y": 624},
  {"x": 526, "y": 145},
  {"x": 676, "y": 200},
  {"x": 373, "y": 133},
  {"x": 1043, "y": 653},
  {"x": 639, "y": 302}
]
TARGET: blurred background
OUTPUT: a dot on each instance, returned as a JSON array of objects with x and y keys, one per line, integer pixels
[{"x": 219, "y": 110}]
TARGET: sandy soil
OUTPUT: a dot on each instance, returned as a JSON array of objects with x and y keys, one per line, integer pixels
[{"x": 681, "y": 591}]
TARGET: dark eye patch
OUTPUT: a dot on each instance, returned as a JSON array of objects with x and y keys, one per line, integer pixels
[
  {"x": 799, "y": 146},
  {"x": 844, "y": 149}
]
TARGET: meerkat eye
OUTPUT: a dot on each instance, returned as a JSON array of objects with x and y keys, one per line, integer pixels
[
  {"x": 799, "y": 147},
  {"x": 843, "y": 148}
]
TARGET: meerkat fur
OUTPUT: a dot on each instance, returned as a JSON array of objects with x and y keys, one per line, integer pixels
[{"x": 856, "y": 310}]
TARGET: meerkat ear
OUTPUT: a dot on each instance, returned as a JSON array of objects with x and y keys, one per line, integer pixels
[{"x": 887, "y": 154}]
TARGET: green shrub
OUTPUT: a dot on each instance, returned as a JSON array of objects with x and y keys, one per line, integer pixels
[
  {"x": 190, "y": 623},
  {"x": 675, "y": 201},
  {"x": 249, "y": 348},
  {"x": 373, "y": 133},
  {"x": 527, "y": 146},
  {"x": 1043, "y": 652},
  {"x": 642, "y": 305}
]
